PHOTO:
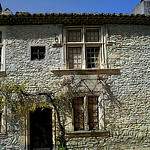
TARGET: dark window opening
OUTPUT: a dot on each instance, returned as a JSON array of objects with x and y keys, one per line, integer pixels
[
  {"x": 92, "y": 54},
  {"x": 92, "y": 35},
  {"x": 37, "y": 52},
  {"x": 93, "y": 112},
  {"x": 74, "y": 35},
  {"x": 78, "y": 113}
]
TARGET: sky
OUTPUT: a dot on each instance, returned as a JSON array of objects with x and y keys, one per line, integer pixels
[{"x": 70, "y": 6}]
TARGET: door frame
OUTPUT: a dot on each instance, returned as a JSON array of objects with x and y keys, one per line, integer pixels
[{"x": 27, "y": 139}]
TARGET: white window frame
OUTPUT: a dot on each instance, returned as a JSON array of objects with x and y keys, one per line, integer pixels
[
  {"x": 2, "y": 46},
  {"x": 83, "y": 44}
]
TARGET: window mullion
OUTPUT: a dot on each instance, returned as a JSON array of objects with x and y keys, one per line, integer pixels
[
  {"x": 100, "y": 113},
  {"x": 83, "y": 50},
  {"x": 86, "y": 120},
  {"x": 102, "y": 50},
  {"x": 100, "y": 40},
  {"x": 105, "y": 53},
  {"x": 64, "y": 57}
]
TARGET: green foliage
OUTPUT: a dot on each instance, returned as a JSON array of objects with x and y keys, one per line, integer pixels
[
  {"x": 62, "y": 148},
  {"x": 12, "y": 96}
]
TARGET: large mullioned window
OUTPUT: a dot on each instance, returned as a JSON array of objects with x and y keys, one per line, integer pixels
[
  {"x": 84, "y": 47},
  {"x": 91, "y": 111}
]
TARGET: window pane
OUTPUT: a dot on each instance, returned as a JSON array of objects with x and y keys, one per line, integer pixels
[
  {"x": 93, "y": 112},
  {"x": 74, "y": 35},
  {"x": 92, "y": 56},
  {"x": 37, "y": 52},
  {"x": 78, "y": 113},
  {"x": 74, "y": 54},
  {"x": 92, "y": 35}
]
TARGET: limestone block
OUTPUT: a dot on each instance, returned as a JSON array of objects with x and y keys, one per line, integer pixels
[{"x": 143, "y": 128}]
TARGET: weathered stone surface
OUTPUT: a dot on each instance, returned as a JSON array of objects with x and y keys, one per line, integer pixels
[{"x": 127, "y": 117}]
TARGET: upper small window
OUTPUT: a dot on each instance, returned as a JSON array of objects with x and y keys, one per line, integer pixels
[
  {"x": 92, "y": 35},
  {"x": 74, "y": 35},
  {"x": 37, "y": 52}
]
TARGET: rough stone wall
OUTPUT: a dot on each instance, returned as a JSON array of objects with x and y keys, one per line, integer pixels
[
  {"x": 19, "y": 67},
  {"x": 142, "y": 8},
  {"x": 128, "y": 123},
  {"x": 128, "y": 115},
  {"x": 139, "y": 9},
  {"x": 18, "y": 62}
]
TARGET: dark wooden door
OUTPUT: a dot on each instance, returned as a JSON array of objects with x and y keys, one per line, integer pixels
[{"x": 41, "y": 129}]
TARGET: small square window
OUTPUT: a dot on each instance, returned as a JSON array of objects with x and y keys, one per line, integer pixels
[{"x": 37, "y": 52}]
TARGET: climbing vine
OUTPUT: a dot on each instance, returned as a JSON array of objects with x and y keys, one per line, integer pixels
[{"x": 17, "y": 98}]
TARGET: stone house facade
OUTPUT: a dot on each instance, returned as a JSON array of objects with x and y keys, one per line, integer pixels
[{"x": 116, "y": 46}]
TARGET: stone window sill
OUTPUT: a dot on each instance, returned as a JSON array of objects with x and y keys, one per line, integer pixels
[
  {"x": 3, "y": 135},
  {"x": 76, "y": 134},
  {"x": 85, "y": 71}
]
